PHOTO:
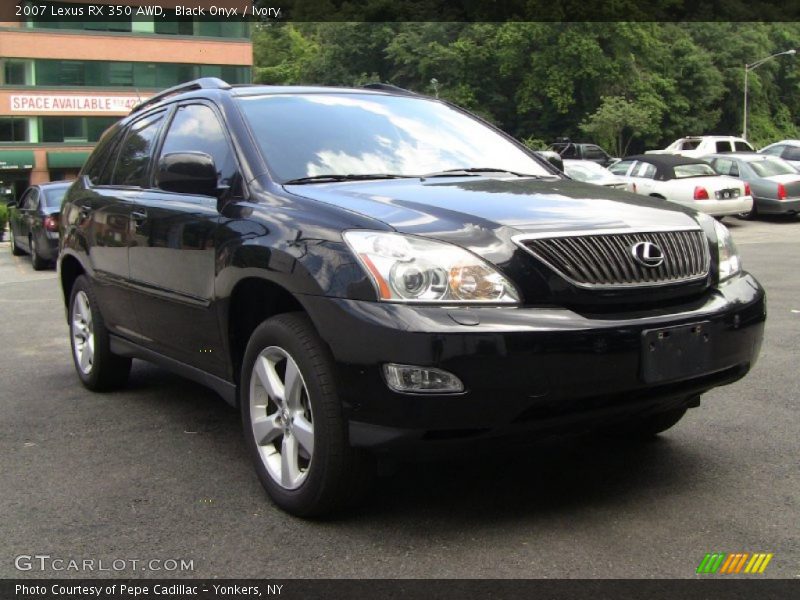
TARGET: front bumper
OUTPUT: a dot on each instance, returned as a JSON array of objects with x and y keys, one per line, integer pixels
[{"x": 524, "y": 369}]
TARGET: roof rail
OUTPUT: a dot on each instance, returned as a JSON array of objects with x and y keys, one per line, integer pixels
[
  {"x": 388, "y": 87},
  {"x": 204, "y": 83}
]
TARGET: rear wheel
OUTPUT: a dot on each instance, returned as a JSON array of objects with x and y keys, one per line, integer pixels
[
  {"x": 751, "y": 214},
  {"x": 97, "y": 367},
  {"x": 14, "y": 248},
  {"x": 293, "y": 422},
  {"x": 649, "y": 426},
  {"x": 36, "y": 260}
]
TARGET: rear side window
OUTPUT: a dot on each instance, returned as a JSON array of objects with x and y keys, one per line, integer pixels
[
  {"x": 195, "y": 128},
  {"x": 593, "y": 152},
  {"x": 134, "y": 155},
  {"x": 98, "y": 161},
  {"x": 688, "y": 144},
  {"x": 646, "y": 170},
  {"x": 791, "y": 153},
  {"x": 724, "y": 146},
  {"x": 743, "y": 146},
  {"x": 726, "y": 166},
  {"x": 693, "y": 170},
  {"x": 621, "y": 168},
  {"x": 53, "y": 197}
]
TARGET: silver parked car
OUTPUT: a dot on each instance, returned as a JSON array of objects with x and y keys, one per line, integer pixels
[
  {"x": 788, "y": 150},
  {"x": 775, "y": 184}
]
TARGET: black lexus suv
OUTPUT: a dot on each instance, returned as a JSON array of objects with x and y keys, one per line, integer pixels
[{"x": 370, "y": 272}]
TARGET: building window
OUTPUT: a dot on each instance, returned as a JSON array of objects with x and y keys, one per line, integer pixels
[
  {"x": 15, "y": 72},
  {"x": 13, "y": 130},
  {"x": 115, "y": 23},
  {"x": 76, "y": 73},
  {"x": 73, "y": 129},
  {"x": 174, "y": 25}
]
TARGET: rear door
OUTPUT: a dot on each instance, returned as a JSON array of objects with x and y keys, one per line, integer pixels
[
  {"x": 108, "y": 203},
  {"x": 175, "y": 242},
  {"x": 21, "y": 218}
]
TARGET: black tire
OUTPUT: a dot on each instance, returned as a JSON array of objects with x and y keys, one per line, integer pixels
[
  {"x": 749, "y": 216},
  {"x": 15, "y": 250},
  {"x": 337, "y": 474},
  {"x": 107, "y": 370},
  {"x": 39, "y": 264},
  {"x": 647, "y": 427}
]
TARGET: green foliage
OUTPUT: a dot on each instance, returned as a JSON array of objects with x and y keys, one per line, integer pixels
[
  {"x": 616, "y": 121},
  {"x": 545, "y": 80},
  {"x": 3, "y": 216}
]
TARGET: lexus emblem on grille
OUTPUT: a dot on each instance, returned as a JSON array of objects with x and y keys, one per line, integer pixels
[{"x": 647, "y": 254}]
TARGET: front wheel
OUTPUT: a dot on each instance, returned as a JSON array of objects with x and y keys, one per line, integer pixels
[
  {"x": 293, "y": 422},
  {"x": 98, "y": 368}
]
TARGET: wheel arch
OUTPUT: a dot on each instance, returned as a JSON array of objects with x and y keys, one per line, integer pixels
[{"x": 70, "y": 268}]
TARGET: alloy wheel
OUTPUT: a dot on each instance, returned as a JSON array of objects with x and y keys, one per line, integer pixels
[
  {"x": 281, "y": 418},
  {"x": 82, "y": 332}
]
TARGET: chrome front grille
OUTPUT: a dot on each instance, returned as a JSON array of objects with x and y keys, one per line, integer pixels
[{"x": 606, "y": 259}]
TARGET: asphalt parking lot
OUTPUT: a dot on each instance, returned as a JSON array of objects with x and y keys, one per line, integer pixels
[{"x": 159, "y": 471}]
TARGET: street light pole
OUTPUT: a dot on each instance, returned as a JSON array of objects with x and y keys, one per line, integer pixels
[{"x": 747, "y": 69}]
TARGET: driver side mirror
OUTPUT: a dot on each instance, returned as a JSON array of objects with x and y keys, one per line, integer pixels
[{"x": 188, "y": 173}]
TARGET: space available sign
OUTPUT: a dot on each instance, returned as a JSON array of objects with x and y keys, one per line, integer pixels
[{"x": 72, "y": 103}]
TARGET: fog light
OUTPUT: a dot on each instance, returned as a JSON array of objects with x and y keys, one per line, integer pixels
[{"x": 425, "y": 380}]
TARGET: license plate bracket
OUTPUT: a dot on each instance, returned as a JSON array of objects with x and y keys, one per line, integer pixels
[{"x": 677, "y": 352}]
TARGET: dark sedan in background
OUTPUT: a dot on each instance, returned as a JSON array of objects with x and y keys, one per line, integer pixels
[
  {"x": 33, "y": 222},
  {"x": 774, "y": 182}
]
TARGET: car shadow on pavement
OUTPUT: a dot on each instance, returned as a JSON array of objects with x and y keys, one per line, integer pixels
[{"x": 558, "y": 475}]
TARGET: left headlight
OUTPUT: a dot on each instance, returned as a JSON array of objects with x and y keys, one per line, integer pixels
[
  {"x": 406, "y": 268},
  {"x": 729, "y": 262}
]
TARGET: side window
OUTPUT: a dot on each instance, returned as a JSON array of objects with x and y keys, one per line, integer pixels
[
  {"x": 97, "y": 165},
  {"x": 621, "y": 168},
  {"x": 722, "y": 165},
  {"x": 647, "y": 171},
  {"x": 791, "y": 153},
  {"x": 23, "y": 201},
  {"x": 723, "y": 146},
  {"x": 733, "y": 171},
  {"x": 590, "y": 152},
  {"x": 742, "y": 146},
  {"x": 196, "y": 128},
  {"x": 569, "y": 151},
  {"x": 774, "y": 150},
  {"x": 31, "y": 200},
  {"x": 134, "y": 154}
]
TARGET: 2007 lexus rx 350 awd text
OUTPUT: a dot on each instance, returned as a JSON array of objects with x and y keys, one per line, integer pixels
[{"x": 371, "y": 272}]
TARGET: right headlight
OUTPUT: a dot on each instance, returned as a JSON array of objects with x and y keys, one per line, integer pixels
[
  {"x": 406, "y": 268},
  {"x": 730, "y": 263}
]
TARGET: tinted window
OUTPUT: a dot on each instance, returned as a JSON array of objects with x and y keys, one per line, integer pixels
[
  {"x": 688, "y": 144},
  {"x": 621, "y": 168},
  {"x": 724, "y": 146},
  {"x": 134, "y": 155},
  {"x": 98, "y": 167},
  {"x": 30, "y": 200},
  {"x": 53, "y": 196},
  {"x": 196, "y": 128},
  {"x": 593, "y": 152},
  {"x": 742, "y": 147},
  {"x": 364, "y": 134},
  {"x": 791, "y": 153}
]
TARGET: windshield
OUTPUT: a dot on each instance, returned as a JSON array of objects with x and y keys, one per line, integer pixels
[
  {"x": 53, "y": 197},
  {"x": 772, "y": 166},
  {"x": 588, "y": 172},
  {"x": 361, "y": 134},
  {"x": 694, "y": 170}
]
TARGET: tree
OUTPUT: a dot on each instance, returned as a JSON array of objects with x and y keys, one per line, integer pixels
[{"x": 616, "y": 122}]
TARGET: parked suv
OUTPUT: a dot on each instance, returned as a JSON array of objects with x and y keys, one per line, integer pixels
[
  {"x": 701, "y": 145},
  {"x": 581, "y": 151},
  {"x": 369, "y": 271}
]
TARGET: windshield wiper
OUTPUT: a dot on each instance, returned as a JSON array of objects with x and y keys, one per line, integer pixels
[
  {"x": 474, "y": 171},
  {"x": 345, "y": 177}
]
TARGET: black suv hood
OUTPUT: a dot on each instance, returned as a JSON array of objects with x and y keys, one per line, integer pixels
[{"x": 525, "y": 205}]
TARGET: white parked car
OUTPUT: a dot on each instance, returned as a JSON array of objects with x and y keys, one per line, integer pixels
[
  {"x": 788, "y": 150},
  {"x": 687, "y": 181},
  {"x": 591, "y": 172},
  {"x": 701, "y": 145}
]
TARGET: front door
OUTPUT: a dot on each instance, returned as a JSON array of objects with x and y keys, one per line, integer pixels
[{"x": 172, "y": 258}]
